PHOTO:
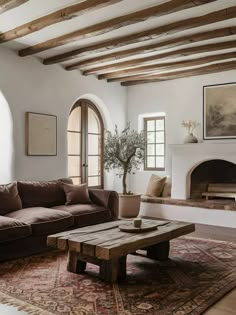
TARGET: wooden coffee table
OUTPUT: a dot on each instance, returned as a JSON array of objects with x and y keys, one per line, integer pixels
[{"x": 106, "y": 246}]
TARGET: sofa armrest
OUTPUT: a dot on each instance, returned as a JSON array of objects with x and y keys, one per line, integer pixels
[{"x": 106, "y": 198}]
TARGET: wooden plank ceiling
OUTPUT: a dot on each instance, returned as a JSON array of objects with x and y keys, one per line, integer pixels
[{"x": 126, "y": 41}]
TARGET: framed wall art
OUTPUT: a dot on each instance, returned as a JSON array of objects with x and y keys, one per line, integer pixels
[
  {"x": 41, "y": 134},
  {"x": 219, "y": 111}
]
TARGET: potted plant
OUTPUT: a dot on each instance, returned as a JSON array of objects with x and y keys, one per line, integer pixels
[{"x": 124, "y": 151}]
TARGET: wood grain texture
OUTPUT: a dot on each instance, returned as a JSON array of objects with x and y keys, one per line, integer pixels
[
  {"x": 198, "y": 203},
  {"x": 189, "y": 51},
  {"x": 218, "y": 67},
  {"x": 172, "y": 28},
  {"x": 106, "y": 241},
  {"x": 64, "y": 14},
  {"x": 113, "y": 24},
  {"x": 171, "y": 43},
  {"x": 6, "y": 5},
  {"x": 135, "y": 73}
]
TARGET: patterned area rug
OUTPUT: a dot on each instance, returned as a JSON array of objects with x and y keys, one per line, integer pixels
[{"x": 197, "y": 275}]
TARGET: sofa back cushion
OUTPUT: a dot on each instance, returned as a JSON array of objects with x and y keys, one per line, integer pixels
[
  {"x": 41, "y": 194},
  {"x": 9, "y": 198}
]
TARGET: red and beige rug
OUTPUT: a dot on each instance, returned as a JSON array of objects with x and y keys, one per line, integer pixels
[{"x": 197, "y": 275}]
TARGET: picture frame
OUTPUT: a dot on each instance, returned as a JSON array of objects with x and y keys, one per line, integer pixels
[
  {"x": 219, "y": 111},
  {"x": 41, "y": 134}
]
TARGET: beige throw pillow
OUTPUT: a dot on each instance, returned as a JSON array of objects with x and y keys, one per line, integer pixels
[
  {"x": 166, "y": 190},
  {"x": 155, "y": 186},
  {"x": 76, "y": 194}
]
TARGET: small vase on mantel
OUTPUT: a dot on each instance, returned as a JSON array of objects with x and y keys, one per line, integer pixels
[
  {"x": 190, "y": 126},
  {"x": 190, "y": 138}
]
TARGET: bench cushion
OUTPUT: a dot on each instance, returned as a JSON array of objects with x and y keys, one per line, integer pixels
[
  {"x": 87, "y": 214},
  {"x": 11, "y": 229},
  {"x": 44, "y": 221}
]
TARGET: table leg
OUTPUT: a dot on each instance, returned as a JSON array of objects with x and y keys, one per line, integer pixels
[
  {"x": 159, "y": 251},
  {"x": 113, "y": 270},
  {"x": 75, "y": 264}
]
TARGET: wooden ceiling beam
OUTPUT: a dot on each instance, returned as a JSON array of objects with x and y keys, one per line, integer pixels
[
  {"x": 150, "y": 69},
  {"x": 171, "y": 43},
  {"x": 207, "y": 19},
  {"x": 218, "y": 67},
  {"x": 113, "y": 24},
  {"x": 117, "y": 67},
  {"x": 64, "y": 14},
  {"x": 6, "y": 5}
]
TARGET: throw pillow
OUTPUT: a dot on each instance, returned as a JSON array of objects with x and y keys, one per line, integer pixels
[
  {"x": 166, "y": 190},
  {"x": 155, "y": 186},
  {"x": 76, "y": 194},
  {"x": 9, "y": 198}
]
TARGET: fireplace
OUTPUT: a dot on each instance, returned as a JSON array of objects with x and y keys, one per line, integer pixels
[
  {"x": 194, "y": 166},
  {"x": 218, "y": 171}
]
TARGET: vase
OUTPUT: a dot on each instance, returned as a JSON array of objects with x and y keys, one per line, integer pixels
[{"x": 190, "y": 138}]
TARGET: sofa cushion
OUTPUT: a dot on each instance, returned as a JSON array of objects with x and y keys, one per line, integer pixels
[
  {"x": 76, "y": 194},
  {"x": 87, "y": 214},
  {"x": 41, "y": 194},
  {"x": 11, "y": 229},
  {"x": 9, "y": 198},
  {"x": 44, "y": 221}
]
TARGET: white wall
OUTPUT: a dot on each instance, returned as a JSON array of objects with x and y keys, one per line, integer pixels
[
  {"x": 6, "y": 141},
  {"x": 30, "y": 86},
  {"x": 180, "y": 99}
]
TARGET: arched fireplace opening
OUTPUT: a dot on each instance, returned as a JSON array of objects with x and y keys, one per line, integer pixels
[{"x": 210, "y": 173}]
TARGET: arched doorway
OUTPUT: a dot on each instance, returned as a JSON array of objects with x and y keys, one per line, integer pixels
[{"x": 85, "y": 144}]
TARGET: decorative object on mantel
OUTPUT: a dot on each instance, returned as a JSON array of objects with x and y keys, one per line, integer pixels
[
  {"x": 41, "y": 134},
  {"x": 190, "y": 126},
  {"x": 124, "y": 151},
  {"x": 219, "y": 111}
]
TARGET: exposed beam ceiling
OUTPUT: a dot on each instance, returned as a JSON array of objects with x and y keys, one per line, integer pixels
[
  {"x": 218, "y": 67},
  {"x": 175, "y": 53},
  {"x": 6, "y": 5},
  {"x": 109, "y": 25},
  {"x": 184, "y": 37},
  {"x": 151, "y": 69},
  {"x": 207, "y": 19},
  {"x": 64, "y": 14},
  {"x": 174, "y": 42}
]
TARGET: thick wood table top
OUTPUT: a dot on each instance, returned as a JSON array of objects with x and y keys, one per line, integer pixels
[{"x": 106, "y": 241}]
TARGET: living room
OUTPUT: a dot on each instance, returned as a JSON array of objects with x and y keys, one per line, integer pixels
[{"x": 138, "y": 65}]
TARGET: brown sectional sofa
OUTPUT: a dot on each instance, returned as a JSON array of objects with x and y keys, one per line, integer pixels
[{"x": 42, "y": 211}]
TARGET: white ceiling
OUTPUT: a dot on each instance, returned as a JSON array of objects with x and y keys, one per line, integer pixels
[{"x": 35, "y": 8}]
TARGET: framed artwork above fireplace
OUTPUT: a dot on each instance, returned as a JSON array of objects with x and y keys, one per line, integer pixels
[{"x": 219, "y": 111}]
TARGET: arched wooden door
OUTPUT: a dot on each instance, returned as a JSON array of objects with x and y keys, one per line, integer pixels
[{"x": 85, "y": 144}]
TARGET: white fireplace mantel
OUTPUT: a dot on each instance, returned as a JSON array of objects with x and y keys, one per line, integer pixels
[{"x": 185, "y": 157}]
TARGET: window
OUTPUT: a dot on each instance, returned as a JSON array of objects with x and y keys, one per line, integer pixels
[
  {"x": 85, "y": 144},
  {"x": 155, "y": 143}
]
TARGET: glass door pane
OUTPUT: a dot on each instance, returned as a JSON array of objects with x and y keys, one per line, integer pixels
[{"x": 85, "y": 145}]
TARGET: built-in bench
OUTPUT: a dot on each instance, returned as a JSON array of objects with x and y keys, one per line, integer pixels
[
  {"x": 216, "y": 212},
  {"x": 216, "y": 204}
]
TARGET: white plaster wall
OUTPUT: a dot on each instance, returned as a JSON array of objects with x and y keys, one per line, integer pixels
[
  {"x": 6, "y": 141},
  {"x": 180, "y": 99},
  {"x": 30, "y": 86}
]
